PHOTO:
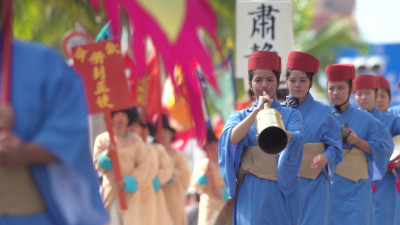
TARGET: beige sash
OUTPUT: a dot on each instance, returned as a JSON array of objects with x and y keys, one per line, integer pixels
[
  {"x": 396, "y": 150},
  {"x": 354, "y": 165},
  {"x": 310, "y": 150},
  {"x": 259, "y": 163},
  {"x": 19, "y": 194}
]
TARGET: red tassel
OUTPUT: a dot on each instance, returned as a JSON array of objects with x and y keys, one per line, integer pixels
[
  {"x": 373, "y": 187},
  {"x": 391, "y": 166},
  {"x": 398, "y": 183}
]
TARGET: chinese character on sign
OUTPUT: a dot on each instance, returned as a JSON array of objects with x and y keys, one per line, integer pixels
[
  {"x": 141, "y": 91},
  {"x": 97, "y": 57},
  {"x": 99, "y": 73},
  {"x": 266, "y": 47},
  {"x": 101, "y": 87},
  {"x": 112, "y": 48},
  {"x": 80, "y": 54},
  {"x": 264, "y": 21},
  {"x": 103, "y": 101},
  {"x": 263, "y": 29}
]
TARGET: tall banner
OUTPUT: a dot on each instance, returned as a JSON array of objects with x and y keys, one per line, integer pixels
[
  {"x": 101, "y": 66},
  {"x": 262, "y": 26}
]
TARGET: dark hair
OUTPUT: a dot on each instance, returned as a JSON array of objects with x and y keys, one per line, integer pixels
[
  {"x": 211, "y": 136},
  {"x": 165, "y": 125},
  {"x": 136, "y": 117},
  {"x": 309, "y": 75},
  {"x": 277, "y": 74},
  {"x": 281, "y": 93},
  {"x": 129, "y": 113}
]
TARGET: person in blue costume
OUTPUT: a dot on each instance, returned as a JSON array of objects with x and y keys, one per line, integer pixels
[
  {"x": 269, "y": 193},
  {"x": 322, "y": 142},
  {"x": 45, "y": 161},
  {"x": 366, "y": 151},
  {"x": 395, "y": 109},
  {"x": 386, "y": 196}
]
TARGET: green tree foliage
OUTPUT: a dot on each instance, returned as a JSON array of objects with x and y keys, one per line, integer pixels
[
  {"x": 326, "y": 43},
  {"x": 46, "y": 21}
]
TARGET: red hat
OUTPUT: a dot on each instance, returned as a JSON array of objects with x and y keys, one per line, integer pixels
[
  {"x": 264, "y": 60},
  {"x": 382, "y": 82},
  {"x": 365, "y": 81},
  {"x": 340, "y": 72},
  {"x": 303, "y": 62}
]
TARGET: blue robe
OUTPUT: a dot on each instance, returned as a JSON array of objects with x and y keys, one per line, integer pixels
[
  {"x": 50, "y": 110},
  {"x": 386, "y": 197},
  {"x": 319, "y": 126},
  {"x": 262, "y": 201},
  {"x": 352, "y": 202}
]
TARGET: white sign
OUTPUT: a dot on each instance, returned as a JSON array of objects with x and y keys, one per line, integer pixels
[{"x": 262, "y": 26}]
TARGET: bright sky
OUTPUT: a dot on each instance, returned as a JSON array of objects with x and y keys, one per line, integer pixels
[{"x": 379, "y": 21}]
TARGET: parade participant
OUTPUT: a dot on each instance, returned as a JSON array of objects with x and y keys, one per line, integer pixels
[
  {"x": 153, "y": 206},
  {"x": 322, "y": 142},
  {"x": 270, "y": 195},
  {"x": 134, "y": 168},
  {"x": 396, "y": 109},
  {"x": 176, "y": 187},
  {"x": 366, "y": 152},
  {"x": 386, "y": 197},
  {"x": 208, "y": 182},
  {"x": 45, "y": 161}
]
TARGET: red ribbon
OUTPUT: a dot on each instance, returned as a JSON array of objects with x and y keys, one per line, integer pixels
[
  {"x": 114, "y": 158},
  {"x": 398, "y": 183},
  {"x": 373, "y": 186}
]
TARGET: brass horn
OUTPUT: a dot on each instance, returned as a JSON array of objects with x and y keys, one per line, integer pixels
[{"x": 271, "y": 134}]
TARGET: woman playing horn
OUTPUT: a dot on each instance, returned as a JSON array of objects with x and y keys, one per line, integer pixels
[{"x": 268, "y": 193}]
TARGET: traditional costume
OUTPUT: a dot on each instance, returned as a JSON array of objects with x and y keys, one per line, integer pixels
[
  {"x": 351, "y": 191},
  {"x": 386, "y": 195},
  {"x": 321, "y": 136},
  {"x": 271, "y": 196},
  {"x": 208, "y": 183},
  {"x": 50, "y": 110},
  {"x": 134, "y": 171}
]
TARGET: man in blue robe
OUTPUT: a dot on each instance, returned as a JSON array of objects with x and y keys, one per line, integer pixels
[
  {"x": 322, "y": 142},
  {"x": 269, "y": 192},
  {"x": 44, "y": 142},
  {"x": 366, "y": 152}
]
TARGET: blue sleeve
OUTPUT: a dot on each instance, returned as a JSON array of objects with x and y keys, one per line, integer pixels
[
  {"x": 381, "y": 145},
  {"x": 332, "y": 139},
  {"x": 229, "y": 155},
  {"x": 65, "y": 129},
  {"x": 290, "y": 159},
  {"x": 50, "y": 108},
  {"x": 395, "y": 126}
]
